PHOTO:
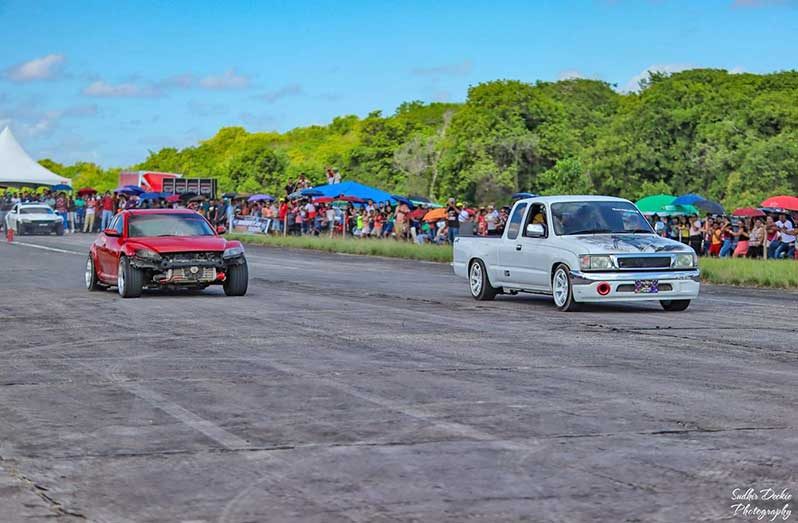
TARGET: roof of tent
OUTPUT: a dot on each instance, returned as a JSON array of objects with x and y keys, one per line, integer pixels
[
  {"x": 18, "y": 169},
  {"x": 349, "y": 188}
]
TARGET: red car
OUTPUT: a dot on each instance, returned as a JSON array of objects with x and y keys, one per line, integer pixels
[{"x": 156, "y": 248}]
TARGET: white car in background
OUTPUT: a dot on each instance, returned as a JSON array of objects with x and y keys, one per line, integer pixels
[
  {"x": 33, "y": 218},
  {"x": 579, "y": 249}
]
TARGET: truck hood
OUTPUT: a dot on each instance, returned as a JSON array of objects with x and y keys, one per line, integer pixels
[
  {"x": 39, "y": 217},
  {"x": 167, "y": 244},
  {"x": 626, "y": 243}
]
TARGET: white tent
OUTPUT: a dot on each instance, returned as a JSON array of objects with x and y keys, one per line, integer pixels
[{"x": 18, "y": 169}]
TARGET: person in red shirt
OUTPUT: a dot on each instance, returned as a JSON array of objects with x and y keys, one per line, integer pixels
[{"x": 107, "y": 205}]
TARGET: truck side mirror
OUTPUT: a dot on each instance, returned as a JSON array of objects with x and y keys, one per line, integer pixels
[{"x": 536, "y": 230}]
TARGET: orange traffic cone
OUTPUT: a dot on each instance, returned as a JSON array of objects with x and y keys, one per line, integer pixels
[{"x": 9, "y": 234}]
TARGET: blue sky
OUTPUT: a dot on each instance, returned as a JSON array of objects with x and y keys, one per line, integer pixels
[{"x": 107, "y": 81}]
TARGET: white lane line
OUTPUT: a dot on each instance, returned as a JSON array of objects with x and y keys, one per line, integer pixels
[{"x": 45, "y": 248}]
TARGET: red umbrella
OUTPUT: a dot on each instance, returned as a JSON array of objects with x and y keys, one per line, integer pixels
[
  {"x": 173, "y": 198},
  {"x": 748, "y": 212},
  {"x": 86, "y": 190},
  {"x": 419, "y": 213},
  {"x": 789, "y": 203}
]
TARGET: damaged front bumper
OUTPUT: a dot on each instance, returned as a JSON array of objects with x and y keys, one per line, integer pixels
[{"x": 186, "y": 268}]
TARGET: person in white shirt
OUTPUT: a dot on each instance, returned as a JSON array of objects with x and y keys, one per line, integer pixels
[
  {"x": 787, "y": 245},
  {"x": 492, "y": 219}
]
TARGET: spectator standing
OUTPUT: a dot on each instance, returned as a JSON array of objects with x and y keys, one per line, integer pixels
[
  {"x": 742, "y": 235},
  {"x": 786, "y": 248},
  {"x": 452, "y": 220},
  {"x": 756, "y": 240},
  {"x": 695, "y": 234},
  {"x": 107, "y": 206},
  {"x": 72, "y": 212},
  {"x": 91, "y": 210},
  {"x": 80, "y": 212}
]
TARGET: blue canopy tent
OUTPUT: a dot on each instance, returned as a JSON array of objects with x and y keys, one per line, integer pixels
[{"x": 364, "y": 192}]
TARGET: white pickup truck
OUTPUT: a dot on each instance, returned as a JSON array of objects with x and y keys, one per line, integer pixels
[{"x": 579, "y": 249}]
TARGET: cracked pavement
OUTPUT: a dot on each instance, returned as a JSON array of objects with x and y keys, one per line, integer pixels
[{"x": 344, "y": 388}]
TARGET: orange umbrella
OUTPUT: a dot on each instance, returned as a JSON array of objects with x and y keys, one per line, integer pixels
[{"x": 435, "y": 214}]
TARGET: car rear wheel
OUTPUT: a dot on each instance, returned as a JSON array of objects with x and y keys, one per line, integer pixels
[
  {"x": 92, "y": 282},
  {"x": 237, "y": 280},
  {"x": 129, "y": 280},
  {"x": 674, "y": 305},
  {"x": 562, "y": 290},
  {"x": 479, "y": 283}
]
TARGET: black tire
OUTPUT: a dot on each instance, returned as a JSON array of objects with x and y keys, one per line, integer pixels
[
  {"x": 92, "y": 282},
  {"x": 20, "y": 229},
  {"x": 237, "y": 280},
  {"x": 479, "y": 282},
  {"x": 59, "y": 229},
  {"x": 130, "y": 280},
  {"x": 562, "y": 289},
  {"x": 674, "y": 305}
]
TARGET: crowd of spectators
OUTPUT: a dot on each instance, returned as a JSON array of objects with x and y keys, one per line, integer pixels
[{"x": 771, "y": 236}]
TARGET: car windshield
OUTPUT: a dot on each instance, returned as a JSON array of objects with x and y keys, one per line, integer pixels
[
  {"x": 163, "y": 224},
  {"x": 605, "y": 217},
  {"x": 36, "y": 210}
]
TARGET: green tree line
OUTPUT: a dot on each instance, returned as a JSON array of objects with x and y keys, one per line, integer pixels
[{"x": 730, "y": 137}]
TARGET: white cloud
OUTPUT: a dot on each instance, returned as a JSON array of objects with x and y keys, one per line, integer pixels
[
  {"x": 227, "y": 80},
  {"x": 179, "y": 80},
  {"x": 458, "y": 69},
  {"x": 44, "y": 68},
  {"x": 282, "y": 92},
  {"x": 738, "y": 69},
  {"x": 570, "y": 74},
  {"x": 104, "y": 89},
  {"x": 30, "y": 121},
  {"x": 634, "y": 83}
]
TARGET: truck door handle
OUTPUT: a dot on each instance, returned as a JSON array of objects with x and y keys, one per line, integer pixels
[{"x": 518, "y": 247}]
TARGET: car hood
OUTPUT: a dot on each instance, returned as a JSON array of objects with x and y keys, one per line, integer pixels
[
  {"x": 626, "y": 243},
  {"x": 168, "y": 244}
]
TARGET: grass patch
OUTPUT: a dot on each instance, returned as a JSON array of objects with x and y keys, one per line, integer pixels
[
  {"x": 725, "y": 271},
  {"x": 371, "y": 247},
  {"x": 750, "y": 273}
]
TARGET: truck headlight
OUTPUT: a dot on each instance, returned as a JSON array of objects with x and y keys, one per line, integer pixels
[
  {"x": 233, "y": 252},
  {"x": 589, "y": 262},
  {"x": 685, "y": 261},
  {"x": 148, "y": 254}
]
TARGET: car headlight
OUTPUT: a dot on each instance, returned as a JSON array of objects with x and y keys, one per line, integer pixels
[
  {"x": 233, "y": 252},
  {"x": 685, "y": 261},
  {"x": 589, "y": 262},
  {"x": 147, "y": 254}
]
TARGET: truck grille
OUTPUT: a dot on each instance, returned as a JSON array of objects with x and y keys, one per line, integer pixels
[{"x": 644, "y": 262}]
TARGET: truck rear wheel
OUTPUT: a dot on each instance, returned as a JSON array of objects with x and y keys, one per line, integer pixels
[
  {"x": 674, "y": 305},
  {"x": 479, "y": 283},
  {"x": 562, "y": 289}
]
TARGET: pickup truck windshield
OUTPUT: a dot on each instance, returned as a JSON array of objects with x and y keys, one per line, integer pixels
[
  {"x": 36, "y": 210},
  {"x": 168, "y": 225},
  {"x": 572, "y": 218}
]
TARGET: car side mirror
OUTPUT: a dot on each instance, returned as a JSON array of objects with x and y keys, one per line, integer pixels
[
  {"x": 536, "y": 230},
  {"x": 112, "y": 233},
  {"x": 221, "y": 229}
]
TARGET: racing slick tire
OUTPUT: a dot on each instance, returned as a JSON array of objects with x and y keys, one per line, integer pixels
[
  {"x": 562, "y": 290},
  {"x": 92, "y": 282},
  {"x": 479, "y": 283},
  {"x": 674, "y": 305},
  {"x": 59, "y": 229},
  {"x": 130, "y": 280},
  {"x": 237, "y": 280}
]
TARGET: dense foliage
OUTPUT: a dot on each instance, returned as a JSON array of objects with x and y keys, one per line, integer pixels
[{"x": 729, "y": 137}]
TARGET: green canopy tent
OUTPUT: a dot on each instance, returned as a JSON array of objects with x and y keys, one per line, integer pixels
[{"x": 662, "y": 205}]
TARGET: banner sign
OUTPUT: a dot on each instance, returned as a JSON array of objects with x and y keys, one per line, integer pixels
[{"x": 253, "y": 224}]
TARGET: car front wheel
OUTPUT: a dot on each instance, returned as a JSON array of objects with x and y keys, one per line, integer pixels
[
  {"x": 562, "y": 290},
  {"x": 129, "y": 280},
  {"x": 237, "y": 280}
]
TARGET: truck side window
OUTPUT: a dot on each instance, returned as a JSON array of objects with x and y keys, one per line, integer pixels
[
  {"x": 537, "y": 214},
  {"x": 514, "y": 225}
]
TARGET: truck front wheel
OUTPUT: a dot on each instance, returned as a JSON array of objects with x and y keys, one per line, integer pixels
[
  {"x": 562, "y": 290},
  {"x": 479, "y": 283}
]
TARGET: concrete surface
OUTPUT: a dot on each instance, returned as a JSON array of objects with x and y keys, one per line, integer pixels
[{"x": 349, "y": 389}]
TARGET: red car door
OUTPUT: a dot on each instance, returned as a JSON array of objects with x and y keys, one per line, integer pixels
[{"x": 108, "y": 248}]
